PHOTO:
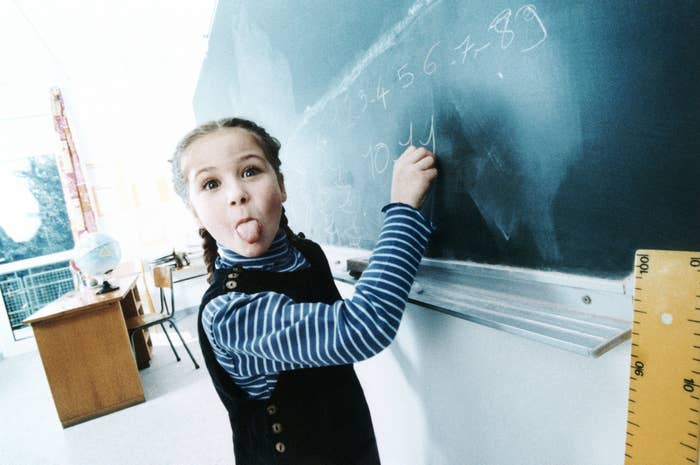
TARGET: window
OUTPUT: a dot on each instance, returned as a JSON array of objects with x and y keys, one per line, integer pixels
[
  {"x": 35, "y": 230},
  {"x": 34, "y": 221}
]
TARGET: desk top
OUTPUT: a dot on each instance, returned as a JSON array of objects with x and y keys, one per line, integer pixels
[{"x": 84, "y": 299}]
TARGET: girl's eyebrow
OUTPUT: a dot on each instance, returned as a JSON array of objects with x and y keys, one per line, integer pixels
[
  {"x": 251, "y": 155},
  {"x": 201, "y": 170}
]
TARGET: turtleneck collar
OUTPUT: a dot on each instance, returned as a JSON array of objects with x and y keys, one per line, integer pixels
[{"x": 281, "y": 256}]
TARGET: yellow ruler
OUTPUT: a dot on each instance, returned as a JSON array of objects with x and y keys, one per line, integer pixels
[{"x": 664, "y": 399}]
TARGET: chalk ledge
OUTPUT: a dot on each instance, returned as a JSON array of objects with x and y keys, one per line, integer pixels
[{"x": 584, "y": 315}]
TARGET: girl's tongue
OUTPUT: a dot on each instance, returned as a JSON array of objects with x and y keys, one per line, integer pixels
[{"x": 249, "y": 231}]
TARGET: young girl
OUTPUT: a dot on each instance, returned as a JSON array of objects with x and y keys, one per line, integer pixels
[{"x": 277, "y": 338}]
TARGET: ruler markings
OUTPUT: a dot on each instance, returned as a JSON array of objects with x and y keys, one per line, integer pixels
[{"x": 661, "y": 372}]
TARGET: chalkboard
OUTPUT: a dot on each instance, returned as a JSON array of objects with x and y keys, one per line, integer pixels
[{"x": 567, "y": 131}]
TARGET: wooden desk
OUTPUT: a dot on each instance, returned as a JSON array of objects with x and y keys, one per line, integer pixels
[{"x": 85, "y": 349}]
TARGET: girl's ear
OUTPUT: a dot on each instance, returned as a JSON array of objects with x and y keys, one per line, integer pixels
[{"x": 283, "y": 190}]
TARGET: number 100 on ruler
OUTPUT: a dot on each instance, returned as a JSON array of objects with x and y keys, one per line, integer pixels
[{"x": 664, "y": 399}]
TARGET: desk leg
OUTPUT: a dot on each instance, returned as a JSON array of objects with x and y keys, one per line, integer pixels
[{"x": 88, "y": 363}]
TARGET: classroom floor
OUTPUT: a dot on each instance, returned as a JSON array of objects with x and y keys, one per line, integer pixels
[{"x": 181, "y": 422}]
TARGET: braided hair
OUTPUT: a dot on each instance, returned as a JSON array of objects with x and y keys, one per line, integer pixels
[{"x": 270, "y": 147}]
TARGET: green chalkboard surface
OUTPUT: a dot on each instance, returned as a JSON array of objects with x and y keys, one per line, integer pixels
[{"x": 567, "y": 132}]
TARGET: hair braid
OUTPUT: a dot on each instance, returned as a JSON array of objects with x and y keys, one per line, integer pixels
[
  {"x": 210, "y": 251},
  {"x": 284, "y": 225}
]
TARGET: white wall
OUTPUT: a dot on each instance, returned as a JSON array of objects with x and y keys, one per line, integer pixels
[{"x": 450, "y": 392}]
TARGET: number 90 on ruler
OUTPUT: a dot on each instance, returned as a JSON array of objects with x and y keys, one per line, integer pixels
[{"x": 663, "y": 412}]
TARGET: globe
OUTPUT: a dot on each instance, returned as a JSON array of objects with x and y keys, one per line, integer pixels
[{"x": 97, "y": 254}]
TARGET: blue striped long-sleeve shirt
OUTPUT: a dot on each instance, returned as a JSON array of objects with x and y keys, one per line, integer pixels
[{"x": 256, "y": 336}]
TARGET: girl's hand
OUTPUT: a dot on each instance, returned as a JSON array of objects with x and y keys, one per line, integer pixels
[{"x": 414, "y": 171}]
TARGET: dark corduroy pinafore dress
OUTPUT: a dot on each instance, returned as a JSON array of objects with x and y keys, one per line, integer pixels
[{"x": 316, "y": 416}]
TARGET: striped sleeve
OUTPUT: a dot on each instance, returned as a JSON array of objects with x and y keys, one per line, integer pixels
[{"x": 265, "y": 333}]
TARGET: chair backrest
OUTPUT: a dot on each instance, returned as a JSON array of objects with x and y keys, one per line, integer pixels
[
  {"x": 163, "y": 279},
  {"x": 163, "y": 276}
]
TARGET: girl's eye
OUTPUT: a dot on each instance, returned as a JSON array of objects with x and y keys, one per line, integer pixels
[
  {"x": 251, "y": 171},
  {"x": 209, "y": 185}
]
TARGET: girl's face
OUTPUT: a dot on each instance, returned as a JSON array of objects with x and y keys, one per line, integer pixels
[{"x": 234, "y": 192}]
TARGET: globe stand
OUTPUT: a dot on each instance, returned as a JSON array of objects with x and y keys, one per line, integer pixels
[{"x": 106, "y": 287}]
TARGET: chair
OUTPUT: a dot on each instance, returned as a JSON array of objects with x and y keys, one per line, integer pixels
[{"x": 163, "y": 279}]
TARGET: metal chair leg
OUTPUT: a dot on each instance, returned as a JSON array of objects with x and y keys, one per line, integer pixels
[
  {"x": 163, "y": 303},
  {"x": 170, "y": 342},
  {"x": 196, "y": 365}
]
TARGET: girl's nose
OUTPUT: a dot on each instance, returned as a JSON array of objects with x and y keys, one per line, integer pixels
[{"x": 237, "y": 196}]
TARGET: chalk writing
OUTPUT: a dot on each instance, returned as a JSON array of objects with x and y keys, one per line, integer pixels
[
  {"x": 409, "y": 141},
  {"x": 379, "y": 156},
  {"x": 381, "y": 92},
  {"x": 522, "y": 29},
  {"x": 502, "y": 22},
  {"x": 429, "y": 141},
  {"x": 467, "y": 45},
  {"x": 429, "y": 67},
  {"x": 361, "y": 94},
  {"x": 431, "y": 135},
  {"x": 500, "y": 25},
  {"x": 409, "y": 75},
  {"x": 478, "y": 50},
  {"x": 528, "y": 14}
]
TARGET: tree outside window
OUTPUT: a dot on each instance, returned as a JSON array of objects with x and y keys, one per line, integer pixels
[{"x": 47, "y": 215}]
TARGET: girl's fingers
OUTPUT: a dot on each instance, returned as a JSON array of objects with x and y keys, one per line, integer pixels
[
  {"x": 426, "y": 162},
  {"x": 413, "y": 154}
]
